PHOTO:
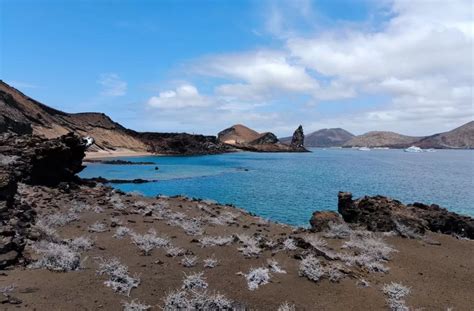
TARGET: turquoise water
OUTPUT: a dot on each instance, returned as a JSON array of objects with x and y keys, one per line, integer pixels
[{"x": 288, "y": 187}]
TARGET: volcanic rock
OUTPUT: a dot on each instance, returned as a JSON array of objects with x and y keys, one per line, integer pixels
[
  {"x": 321, "y": 219},
  {"x": 384, "y": 214}
]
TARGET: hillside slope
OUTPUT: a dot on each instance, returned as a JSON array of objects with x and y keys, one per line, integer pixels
[
  {"x": 24, "y": 115},
  {"x": 461, "y": 137},
  {"x": 332, "y": 137},
  {"x": 381, "y": 139}
]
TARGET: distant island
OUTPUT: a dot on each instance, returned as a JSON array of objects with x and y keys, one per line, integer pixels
[{"x": 21, "y": 114}]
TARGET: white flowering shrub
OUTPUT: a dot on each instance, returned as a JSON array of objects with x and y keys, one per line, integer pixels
[
  {"x": 250, "y": 246},
  {"x": 316, "y": 242},
  {"x": 338, "y": 231},
  {"x": 116, "y": 202},
  {"x": 286, "y": 306},
  {"x": 189, "y": 261},
  {"x": 210, "y": 262},
  {"x": 370, "y": 252},
  {"x": 208, "y": 241},
  {"x": 149, "y": 241},
  {"x": 274, "y": 266},
  {"x": 119, "y": 279},
  {"x": 59, "y": 219},
  {"x": 121, "y": 232},
  {"x": 289, "y": 244},
  {"x": 175, "y": 251},
  {"x": 311, "y": 268},
  {"x": 256, "y": 277},
  {"x": 396, "y": 294},
  {"x": 81, "y": 243},
  {"x": 97, "y": 227},
  {"x": 56, "y": 257},
  {"x": 135, "y": 306},
  {"x": 195, "y": 281},
  {"x": 196, "y": 300},
  {"x": 191, "y": 227}
]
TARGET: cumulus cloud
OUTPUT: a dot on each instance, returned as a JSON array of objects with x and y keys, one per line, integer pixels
[
  {"x": 411, "y": 72},
  {"x": 112, "y": 85},
  {"x": 184, "y": 96}
]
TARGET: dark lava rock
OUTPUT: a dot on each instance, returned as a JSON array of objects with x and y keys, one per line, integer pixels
[
  {"x": 118, "y": 162},
  {"x": 32, "y": 160},
  {"x": 267, "y": 138},
  {"x": 297, "y": 141},
  {"x": 384, "y": 214},
  {"x": 321, "y": 219}
]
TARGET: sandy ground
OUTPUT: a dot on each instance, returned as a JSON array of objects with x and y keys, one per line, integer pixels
[
  {"x": 116, "y": 154},
  {"x": 439, "y": 276}
]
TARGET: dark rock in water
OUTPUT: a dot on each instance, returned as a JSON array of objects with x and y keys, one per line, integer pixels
[
  {"x": 384, "y": 214},
  {"x": 267, "y": 138},
  {"x": 321, "y": 219},
  {"x": 297, "y": 141},
  {"x": 103, "y": 180}
]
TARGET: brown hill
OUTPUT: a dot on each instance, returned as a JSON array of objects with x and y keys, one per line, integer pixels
[
  {"x": 333, "y": 137},
  {"x": 382, "y": 139},
  {"x": 241, "y": 137},
  {"x": 461, "y": 137},
  {"x": 24, "y": 115}
]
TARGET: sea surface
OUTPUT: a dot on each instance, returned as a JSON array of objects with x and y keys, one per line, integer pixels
[{"x": 288, "y": 187}]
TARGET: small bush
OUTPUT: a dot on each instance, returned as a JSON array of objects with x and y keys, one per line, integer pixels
[
  {"x": 189, "y": 261},
  {"x": 196, "y": 300},
  {"x": 274, "y": 266},
  {"x": 195, "y": 281},
  {"x": 149, "y": 241},
  {"x": 175, "y": 251},
  {"x": 286, "y": 307},
  {"x": 208, "y": 241},
  {"x": 81, "y": 243},
  {"x": 311, "y": 268},
  {"x": 60, "y": 219},
  {"x": 135, "y": 306},
  {"x": 396, "y": 294},
  {"x": 97, "y": 227},
  {"x": 121, "y": 232},
  {"x": 289, "y": 244},
  {"x": 210, "y": 263},
  {"x": 338, "y": 231},
  {"x": 119, "y": 279},
  {"x": 250, "y": 247},
  {"x": 257, "y": 277},
  {"x": 56, "y": 257}
]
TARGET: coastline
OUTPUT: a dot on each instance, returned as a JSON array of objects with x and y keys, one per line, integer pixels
[{"x": 116, "y": 154}]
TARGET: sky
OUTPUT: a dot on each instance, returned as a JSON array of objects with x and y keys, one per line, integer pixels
[{"x": 201, "y": 66}]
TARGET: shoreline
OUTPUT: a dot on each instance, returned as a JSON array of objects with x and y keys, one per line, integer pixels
[{"x": 117, "y": 154}]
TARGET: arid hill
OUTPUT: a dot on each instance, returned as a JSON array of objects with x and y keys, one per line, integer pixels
[
  {"x": 24, "y": 115},
  {"x": 333, "y": 137},
  {"x": 382, "y": 139},
  {"x": 461, "y": 137}
]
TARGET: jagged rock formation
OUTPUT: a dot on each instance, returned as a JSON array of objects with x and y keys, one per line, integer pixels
[
  {"x": 384, "y": 214},
  {"x": 37, "y": 161},
  {"x": 241, "y": 137},
  {"x": 297, "y": 141},
  {"x": 461, "y": 137}
]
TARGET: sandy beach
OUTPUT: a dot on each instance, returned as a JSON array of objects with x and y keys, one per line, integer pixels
[{"x": 116, "y": 154}]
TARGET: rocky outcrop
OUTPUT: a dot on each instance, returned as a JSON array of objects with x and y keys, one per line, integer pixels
[
  {"x": 243, "y": 138},
  {"x": 297, "y": 141},
  {"x": 459, "y": 138},
  {"x": 321, "y": 220},
  {"x": 265, "y": 138},
  {"x": 182, "y": 144},
  {"x": 384, "y": 214},
  {"x": 32, "y": 160}
]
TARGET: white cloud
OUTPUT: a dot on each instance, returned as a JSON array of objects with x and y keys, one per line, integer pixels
[
  {"x": 417, "y": 65},
  {"x": 112, "y": 85},
  {"x": 184, "y": 96}
]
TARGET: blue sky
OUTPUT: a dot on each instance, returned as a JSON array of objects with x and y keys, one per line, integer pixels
[{"x": 200, "y": 66}]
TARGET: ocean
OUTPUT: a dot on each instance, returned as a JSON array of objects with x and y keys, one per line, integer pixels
[{"x": 289, "y": 187}]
